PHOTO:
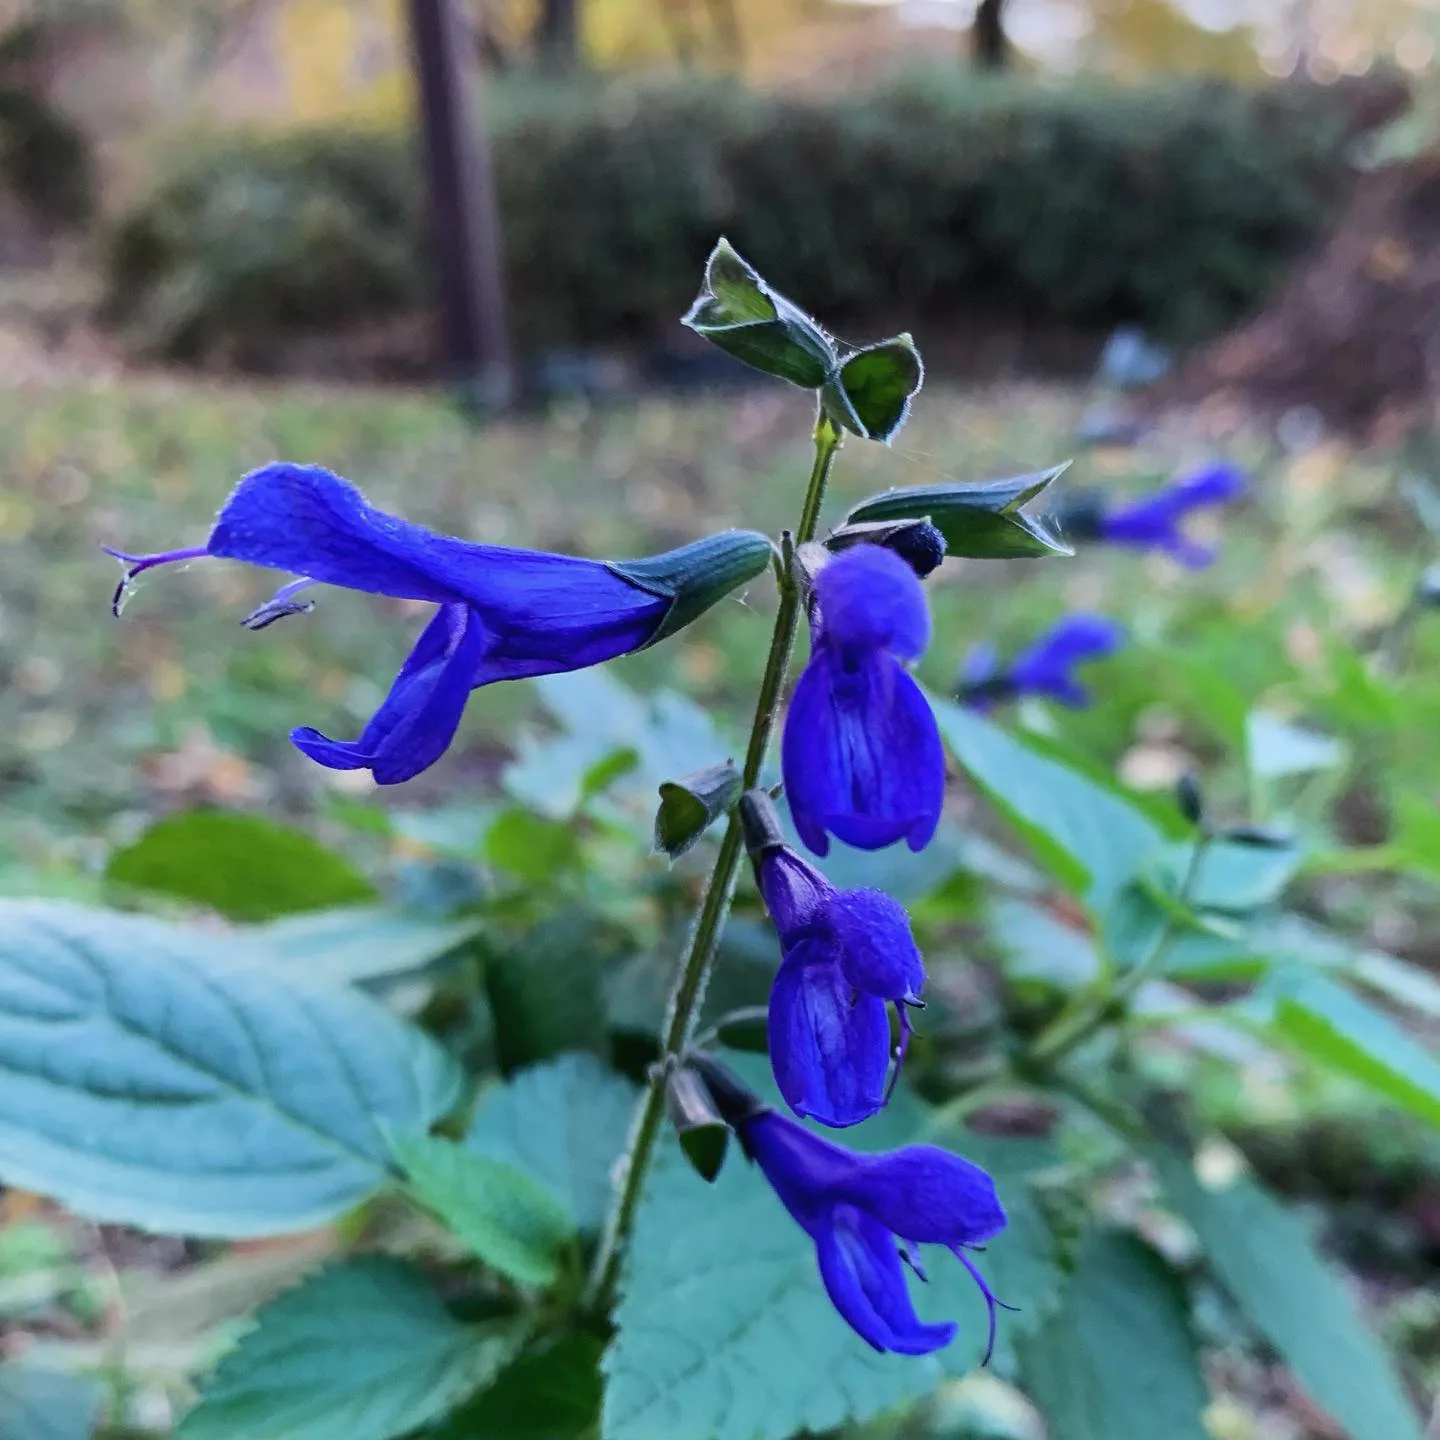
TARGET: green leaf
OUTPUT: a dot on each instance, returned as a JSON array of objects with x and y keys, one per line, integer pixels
[
  {"x": 1118, "y": 1362},
  {"x": 565, "y": 1124},
  {"x": 510, "y": 1221},
  {"x": 362, "y": 1351},
  {"x": 1038, "y": 946},
  {"x": 545, "y": 988},
  {"x": 552, "y": 1393},
  {"x": 607, "y": 770},
  {"x": 690, "y": 805},
  {"x": 1263, "y": 1254},
  {"x": 1089, "y": 837},
  {"x": 529, "y": 846},
  {"x": 1288, "y": 936},
  {"x": 1133, "y": 924},
  {"x": 724, "y": 1331},
  {"x": 146, "y": 1078},
  {"x": 38, "y": 1404},
  {"x": 1277, "y": 748},
  {"x": 244, "y": 866},
  {"x": 1416, "y": 822},
  {"x": 1360, "y": 698},
  {"x": 740, "y": 313},
  {"x": 1235, "y": 878},
  {"x": 985, "y": 521},
  {"x": 669, "y": 734},
  {"x": 1332, "y": 1026},
  {"x": 356, "y": 945},
  {"x": 871, "y": 394},
  {"x": 911, "y": 877}
]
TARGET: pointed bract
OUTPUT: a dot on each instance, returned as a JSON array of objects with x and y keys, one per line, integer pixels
[
  {"x": 745, "y": 317},
  {"x": 870, "y": 394},
  {"x": 986, "y": 520}
]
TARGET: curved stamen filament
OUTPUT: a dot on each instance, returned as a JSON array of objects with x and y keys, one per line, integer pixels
[{"x": 138, "y": 564}]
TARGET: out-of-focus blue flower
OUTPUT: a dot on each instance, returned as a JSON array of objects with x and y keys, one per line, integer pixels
[
  {"x": 503, "y": 614},
  {"x": 1154, "y": 522},
  {"x": 868, "y": 1213},
  {"x": 861, "y": 753},
  {"x": 1130, "y": 359},
  {"x": 1042, "y": 668},
  {"x": 847, "y": 954}
]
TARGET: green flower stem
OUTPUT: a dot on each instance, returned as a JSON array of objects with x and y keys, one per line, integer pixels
[
  {"x": 1074, "y": 1027},
  {"x": 694, "y": 973}
]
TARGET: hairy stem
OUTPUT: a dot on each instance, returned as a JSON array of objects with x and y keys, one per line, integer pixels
[{"x": 694, "y": 972}]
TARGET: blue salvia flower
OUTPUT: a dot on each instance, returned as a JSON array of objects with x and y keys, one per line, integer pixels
[
  {"x": 503, "y": 614},
  {"x": 1044, "y": 668},
  {"x": 1154, "y": 522},
  {"x": 868, "y": 1213},
  {"x": 861, "y": 753},
  {"x": 847, "y": 954}
]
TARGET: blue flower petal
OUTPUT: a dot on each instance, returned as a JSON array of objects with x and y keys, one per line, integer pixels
[
  {"x": 870, "y": 599},
  {"x": 878, "y": 953},
  {"x": 419, "y": 717},
  {"x": 801, "y": 1167},
  {"x": 311, "y": 522},
  {"x": 859, "y": 1209},
  {"x": 1214, "y": 484},
  {"x": 866, "y": 1283},
  {"x": 981, "y": 663},
  {"x": 829, "y": 1046},
  {"x": 926, "y": 1195},
  {"x": 1154, "y": 520},
  {"x": 1190, "y": 554},
  {"x": 861, "y": 756},
  {"x": 1044, "y": 667}
]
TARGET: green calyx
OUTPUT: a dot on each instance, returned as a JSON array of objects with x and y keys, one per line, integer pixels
[
  {"x": 983, "y": 521},
  {"x": 690, "y": 805},
  {"x": 695, "y": 576}
]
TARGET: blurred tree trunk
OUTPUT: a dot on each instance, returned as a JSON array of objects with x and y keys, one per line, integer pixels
[
  {"x": 989, "y": 48},
  {"x": 557, "y": 34},
  {"x": 465, "y": 228},
  {"x": 726, "y": 25}
]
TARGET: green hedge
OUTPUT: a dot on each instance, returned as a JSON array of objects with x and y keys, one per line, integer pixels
[{"x": 1172, "y": 205}]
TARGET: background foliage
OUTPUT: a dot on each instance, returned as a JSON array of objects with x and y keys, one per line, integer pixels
[{"x": 1076, "y": 204}]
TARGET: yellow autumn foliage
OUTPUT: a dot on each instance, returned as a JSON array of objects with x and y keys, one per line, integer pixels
[{"x": 341, "y": 61}]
